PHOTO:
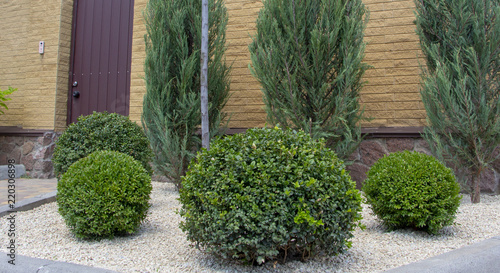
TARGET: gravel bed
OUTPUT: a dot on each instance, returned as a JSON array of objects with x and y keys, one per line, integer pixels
[{"x": 160, "y": 246}]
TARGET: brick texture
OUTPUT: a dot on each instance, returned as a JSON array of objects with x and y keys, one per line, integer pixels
[
  {"x": 39, "y": 78},
  {"x": 245, "y": 106},
  {"x": 391, "y": 95},
  {"x": 137, "y": 85},
  {"x": 63, "y": 65}
]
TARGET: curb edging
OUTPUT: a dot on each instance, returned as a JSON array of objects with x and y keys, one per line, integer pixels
[{"x": 29, "y": 203}]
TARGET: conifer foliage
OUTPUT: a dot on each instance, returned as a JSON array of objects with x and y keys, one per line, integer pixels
[
  {"x": 461, "y": 85},
  {"x": 171, "y": 109},
  {"x": 307, "y": 55}
]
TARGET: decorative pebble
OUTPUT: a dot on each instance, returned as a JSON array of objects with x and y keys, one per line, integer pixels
[{"x": 160, "y": 246}]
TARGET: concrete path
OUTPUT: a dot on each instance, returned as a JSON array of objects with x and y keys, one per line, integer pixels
[
  {"x": 482, "y": 257},
  {"x": 25, "y": 264},
  {"x": 21, "y": 194}
]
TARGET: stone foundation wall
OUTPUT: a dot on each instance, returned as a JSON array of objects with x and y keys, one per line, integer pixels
[
  {"x": 35, "y": 153},
  {"x": 373, "y": 149}
]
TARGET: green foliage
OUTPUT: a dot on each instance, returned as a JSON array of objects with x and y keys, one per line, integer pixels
[
  {"x": 308, "y": 55},
  {"x": 101, "y": 131},
  {"x": 3, "y": 97},
  {"x": 103, "y": 195},
  {"x": 410, "y": 189},
  {"x": 266, "y": 194},
  {"x": 461, "y": 85},
  {"x": 171, "y": 111}
]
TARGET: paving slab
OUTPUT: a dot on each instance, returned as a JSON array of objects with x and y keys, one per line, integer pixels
[
  {"x": 29, "y": 203},
  {"x": 21, "y": 194},
  {"x": 481, "y": 257},
  {"x": 25, "y": 188},
  {"x": 24, "y": 264},
  {"x": 18, "y": 170}
]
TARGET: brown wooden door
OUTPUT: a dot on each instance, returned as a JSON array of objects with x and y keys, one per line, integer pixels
[{"x": 101, "y": 57}]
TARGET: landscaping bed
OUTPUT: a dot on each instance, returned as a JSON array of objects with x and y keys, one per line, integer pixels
[{"x": 160, "y": 246}]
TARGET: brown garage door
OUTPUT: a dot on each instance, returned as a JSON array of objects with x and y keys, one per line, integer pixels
[{"x": 101, "y": 57}]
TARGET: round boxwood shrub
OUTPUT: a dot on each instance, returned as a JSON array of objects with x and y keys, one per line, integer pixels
[
  {"x": 101, "y": 131},
  {"x": 269, "y": 194},
  {"x": 412, "y": 190},
  {"x": 103, "y": 195}
]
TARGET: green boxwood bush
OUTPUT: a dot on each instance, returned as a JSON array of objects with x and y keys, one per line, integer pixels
[
  {"x": 103, "y": 195},
  {"x": 101, "y": 131},
  {"x": 411, "y": 189},
  {"x": 269, "y": 194}
]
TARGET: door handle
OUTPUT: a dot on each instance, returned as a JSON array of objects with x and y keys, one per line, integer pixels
[{"x": 76, "y": 94}]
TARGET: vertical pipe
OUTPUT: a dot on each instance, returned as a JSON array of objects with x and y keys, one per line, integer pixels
[{"x": 205, "y": 135}]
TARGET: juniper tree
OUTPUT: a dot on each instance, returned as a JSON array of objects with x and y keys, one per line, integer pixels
[
  {"x": 307, "y": 55},
  {"x": 461, "y": 84},
  {"x": 171, "y": 109}
]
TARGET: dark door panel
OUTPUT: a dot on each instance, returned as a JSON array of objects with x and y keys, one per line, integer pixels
[{"x": 101, "y": 57}]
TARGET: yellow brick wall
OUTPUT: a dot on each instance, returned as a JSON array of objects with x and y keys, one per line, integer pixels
[
  {"x": 391, "y": 95},
  {"x": 63, "y": 65},
  {"x": 23, "y": 23},
  {"x": 245, "y": 105},
  {"x": 137, "y": 85}
]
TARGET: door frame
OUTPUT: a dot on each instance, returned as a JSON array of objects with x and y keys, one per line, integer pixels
[{"x": 71, "y": 62}]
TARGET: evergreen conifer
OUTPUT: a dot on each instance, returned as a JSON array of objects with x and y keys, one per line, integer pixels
[
  {"x": 308, "y": 55},
  {"x": 171, "y": 109},
  {"x": 461, "y": 85}
]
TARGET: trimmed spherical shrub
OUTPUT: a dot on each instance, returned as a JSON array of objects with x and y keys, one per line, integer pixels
[
  {"x": 412, "y": 190},
  {"x": 269, "y": 194},
  {"x": 97, "y": 132},
  {"x": 103, "y": 195}
]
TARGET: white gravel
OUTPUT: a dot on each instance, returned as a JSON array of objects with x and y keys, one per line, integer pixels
[{"x": 160, "y": 246}]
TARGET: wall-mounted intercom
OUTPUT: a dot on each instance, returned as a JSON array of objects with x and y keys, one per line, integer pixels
[{"x": 41, "y": 47}]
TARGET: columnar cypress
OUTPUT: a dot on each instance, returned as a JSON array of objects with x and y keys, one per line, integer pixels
[
  {"x": 307, "y": 55},
  {"x": 171, "y": 109},
  {"x": 461, "y": 85}
]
